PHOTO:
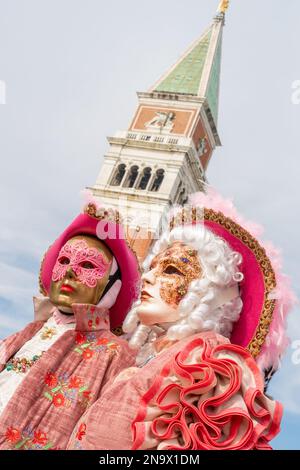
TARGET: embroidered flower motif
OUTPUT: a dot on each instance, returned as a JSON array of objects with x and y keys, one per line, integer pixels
[
  {"x": 94, "y": 318},
  {"x": 58, "y": 400},
  {"x": 81, "y": 432},
  {"x": 102, "y": 341},
  {"x": 28, "y": 439},
  {"x": 48, "y": 333},
  {"x": 94, "y": 322},
  {"x": 89, "y": 344},
  {"x": 12, "y": 435},
  {"x": 40, "y": 438},
  {"x": 75, "y": 382},
  {"x": 51, "y": 380},
  {"x": 63, "y": 391},
  {"x": 87, "y": 354},
  {"x": 80, "y": 338}
]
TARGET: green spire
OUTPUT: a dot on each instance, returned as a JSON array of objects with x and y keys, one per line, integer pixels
[
  {"x": 186, "y": 75},
  {"x": 197, "y": 72},
  {"x": 212, "y": 91}
]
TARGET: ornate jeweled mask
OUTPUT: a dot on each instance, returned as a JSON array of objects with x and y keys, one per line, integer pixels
[{"x": 167, "y": 282}]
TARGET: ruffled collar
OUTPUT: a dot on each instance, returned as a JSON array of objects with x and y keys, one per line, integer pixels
[{"x": 86, "y": 317}]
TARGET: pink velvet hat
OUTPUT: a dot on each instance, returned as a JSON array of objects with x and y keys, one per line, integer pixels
[
  {"x": 265, "y": 291},
  {"x": 97, "y": 221}
]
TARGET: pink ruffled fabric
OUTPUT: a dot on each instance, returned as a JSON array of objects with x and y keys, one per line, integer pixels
[{"x": 207, "y": 398}]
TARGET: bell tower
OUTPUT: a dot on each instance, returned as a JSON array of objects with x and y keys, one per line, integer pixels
[{"x": 163, "y": 156}]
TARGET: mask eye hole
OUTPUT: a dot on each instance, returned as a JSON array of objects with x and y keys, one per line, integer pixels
[
  {"x": 172, "y": 270},
  {"x": 87, "y": 265},
  {"x": 64, "y": 260}
]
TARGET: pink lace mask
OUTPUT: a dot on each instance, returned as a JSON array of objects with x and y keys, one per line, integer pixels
[{"x": 87, "y": 263}]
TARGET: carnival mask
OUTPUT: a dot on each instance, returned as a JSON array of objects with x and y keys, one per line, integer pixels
[
  {"x": 80, "y": 273},
  {"x": 166, "y": 283}
]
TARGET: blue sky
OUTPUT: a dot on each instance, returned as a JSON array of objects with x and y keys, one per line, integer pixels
[{"x": 72, "y": 69}]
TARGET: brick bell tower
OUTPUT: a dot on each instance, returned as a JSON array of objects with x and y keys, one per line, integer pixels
[{"x": 164, "y": 154}]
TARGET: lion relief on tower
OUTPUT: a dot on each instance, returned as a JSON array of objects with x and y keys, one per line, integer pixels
[{"x": 162, "y": 121}]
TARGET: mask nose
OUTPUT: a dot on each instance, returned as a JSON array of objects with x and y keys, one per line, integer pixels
[
  {"x": 149, "y": 277},
  {"x": 70, "y": 273}
]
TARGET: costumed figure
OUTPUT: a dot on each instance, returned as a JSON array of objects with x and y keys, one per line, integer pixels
[
  {"x": 210, "y": 330},
  {"x": 56, "y": 367}
]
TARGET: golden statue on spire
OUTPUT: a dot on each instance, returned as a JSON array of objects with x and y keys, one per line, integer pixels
[{"x": 224, "y": 5}]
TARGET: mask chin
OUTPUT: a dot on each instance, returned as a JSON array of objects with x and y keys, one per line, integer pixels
[{"x": 66, "y": 310}]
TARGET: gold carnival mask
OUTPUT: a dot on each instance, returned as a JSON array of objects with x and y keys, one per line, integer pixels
[
  {"x": 167, "y": 282},
  {"x": 81, "y": 272}
]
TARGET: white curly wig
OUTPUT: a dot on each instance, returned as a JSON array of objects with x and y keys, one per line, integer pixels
[{"x": 220, "y": 266}]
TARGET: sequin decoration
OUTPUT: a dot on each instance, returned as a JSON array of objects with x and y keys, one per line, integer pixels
[
  {"x": 21, "y": 365},
  {"x": 176, "y": 268}
]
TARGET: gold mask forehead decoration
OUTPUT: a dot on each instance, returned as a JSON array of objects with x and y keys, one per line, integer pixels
[{"x": 182, "y": 257}]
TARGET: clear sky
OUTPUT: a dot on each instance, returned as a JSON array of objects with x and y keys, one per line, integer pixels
[{"x": 71, "y": 69}]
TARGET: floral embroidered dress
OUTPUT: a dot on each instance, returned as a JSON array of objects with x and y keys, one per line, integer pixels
[
  {"x": 31, "y": 352},
  {"x": 202, "y": 393},
  {"x": 59, "y": 384}
]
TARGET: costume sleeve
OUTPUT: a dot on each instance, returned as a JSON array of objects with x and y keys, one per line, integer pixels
[
  {"x": 123, "y": 358},
  {"x": 207, "y": 398},
  {"x": 10, "y": 345}
]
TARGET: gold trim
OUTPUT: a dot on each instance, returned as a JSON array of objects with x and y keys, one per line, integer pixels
[
  {"x": 264, "y": 262},
  {"x": 110, "y": 215}
]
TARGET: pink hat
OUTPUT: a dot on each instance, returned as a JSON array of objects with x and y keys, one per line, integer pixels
[
  {"x": 104, "y": 224},
  {"x": 265, "y": 291}
]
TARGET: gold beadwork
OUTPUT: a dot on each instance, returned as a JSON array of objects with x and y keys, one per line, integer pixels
[
  {"x": 110, "y": 215},
  {"x": 91, "y": 210},
  {"x": 182, "y": 290},
  {"x": 21, "y": 365},
  {"x": 176, "y": 267},
  {"x": 48, "y": 333}
]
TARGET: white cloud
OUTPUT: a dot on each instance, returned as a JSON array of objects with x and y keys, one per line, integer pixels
[
  {"x": 16, "y": 280},
  {"x": 287, "y": 385},
  {"x": 10, "y": 323},
  {"x": 17, "y": 288}
]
